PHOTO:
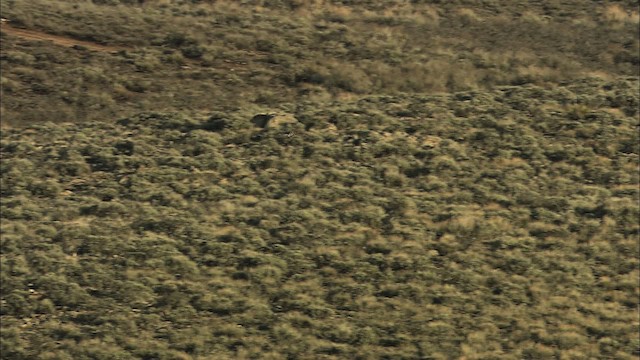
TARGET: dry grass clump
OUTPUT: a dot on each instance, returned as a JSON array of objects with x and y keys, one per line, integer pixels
[
  {"x": 615, "y": 14},
  {"x": 468, "y": 15}
]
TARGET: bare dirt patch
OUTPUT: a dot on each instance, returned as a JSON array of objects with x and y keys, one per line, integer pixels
[{"x": 57, "y": 39}]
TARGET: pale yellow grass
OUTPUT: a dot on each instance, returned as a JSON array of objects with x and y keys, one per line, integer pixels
[{"x": 616, "y": 14}]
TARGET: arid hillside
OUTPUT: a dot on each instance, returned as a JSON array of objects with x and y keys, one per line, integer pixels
[
  {"x": 319, "y": 179},
  {"x": 482, "y": 224},
  {"x": 198, "y": 56}
]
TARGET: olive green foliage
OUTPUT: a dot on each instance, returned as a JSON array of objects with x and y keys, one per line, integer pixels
[
  {"x": 212, "y": 55},
  {"x": 481, "y": 225}
]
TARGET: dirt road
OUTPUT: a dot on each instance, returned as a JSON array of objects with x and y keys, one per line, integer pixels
[{"x": 56, "y": 39}]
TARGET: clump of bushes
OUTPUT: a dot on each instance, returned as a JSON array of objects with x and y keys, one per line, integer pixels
[{"x": 444, "y": 226}]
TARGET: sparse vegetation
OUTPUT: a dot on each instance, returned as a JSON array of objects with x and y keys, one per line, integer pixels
[
  {"x": 198, "y": 56},
  {"x": 302, "y": 179}
]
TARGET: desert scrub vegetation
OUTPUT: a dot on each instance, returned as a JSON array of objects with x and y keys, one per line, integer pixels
[
  {"x": 480, "y": 224},
  {"x": 176, "y": 55}
]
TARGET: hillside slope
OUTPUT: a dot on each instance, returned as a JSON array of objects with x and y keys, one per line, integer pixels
[
  {"x": 482, "y": 224},
  {"x": 178, "y": 55}
]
